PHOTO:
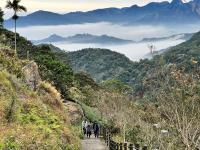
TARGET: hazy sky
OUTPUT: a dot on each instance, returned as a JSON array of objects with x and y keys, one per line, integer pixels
[{"x": 74, "y": 5}]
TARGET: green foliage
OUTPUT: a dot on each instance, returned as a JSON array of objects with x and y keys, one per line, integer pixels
[
  {"x": 133, "y": 135},
  {"x": 50, "y": 67},
  {"x": 1, "y": 18},
  {"x": 16, "y": 7},
  {"x": 101, "y": 64},
  {"x": 10, "y": 143},
  {"x": 117, "y": 86},
  {"x": 54, "y": 71},
  {"x": 83, "y": 79},
  {"x": 93, "y": 114}
]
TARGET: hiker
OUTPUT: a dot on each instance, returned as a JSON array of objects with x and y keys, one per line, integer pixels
[
  {"x": 84, "y": 126},
  {"x": 89, "y": 130},
  {"x": 96, "y": 129}
]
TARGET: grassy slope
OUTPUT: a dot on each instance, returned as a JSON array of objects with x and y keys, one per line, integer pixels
[
  {"x": 31, "y": 120},
  {"x": 53, "y": 67},
  {"x": 50, "y": 68}
]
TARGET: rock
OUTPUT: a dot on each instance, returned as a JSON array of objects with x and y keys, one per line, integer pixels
[
  {"x": 157, "y": 126},
  {"x": 75, "y": 112},
  {"x": 164, "y": 131},
  {"x": 31, "y": 75}
]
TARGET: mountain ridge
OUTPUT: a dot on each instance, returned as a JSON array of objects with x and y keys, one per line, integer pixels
[
  {"x": 106, "y": 39},
  {"x": 83, "y": 38},
  {"x": 174, "y": 13}
]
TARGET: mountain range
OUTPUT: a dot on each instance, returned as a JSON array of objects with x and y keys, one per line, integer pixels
[
  {"x": 105, "y": 39},
  {"x": 83, "y": 38},
  {"x": 166, "y": 13}
]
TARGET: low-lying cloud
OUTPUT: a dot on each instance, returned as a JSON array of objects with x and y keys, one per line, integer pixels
[
  {"x": 125, "y": 32},
  {"x": 133, "y": 51}
]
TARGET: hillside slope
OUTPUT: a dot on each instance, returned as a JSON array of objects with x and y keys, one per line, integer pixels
[{"x": 31, "y": 119}]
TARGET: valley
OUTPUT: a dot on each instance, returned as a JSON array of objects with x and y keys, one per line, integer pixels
[{"x": 128, "y": 75}]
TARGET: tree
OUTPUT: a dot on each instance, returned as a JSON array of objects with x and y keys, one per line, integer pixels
[
  {"x": 178, "y": 101},
  {"x": 14, "y": 5},
  {"x": 1, "y": 18}
]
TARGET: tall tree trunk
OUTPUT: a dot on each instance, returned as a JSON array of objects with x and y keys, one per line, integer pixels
[{"x": 15, "y": 37}]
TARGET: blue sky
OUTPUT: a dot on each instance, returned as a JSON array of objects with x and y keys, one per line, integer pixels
[{"x": 76, "y": 5}]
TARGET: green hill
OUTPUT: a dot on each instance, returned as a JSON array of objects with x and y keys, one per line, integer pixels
[{"x": 101, "y": 64}]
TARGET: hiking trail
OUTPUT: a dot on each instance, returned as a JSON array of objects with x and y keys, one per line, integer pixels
[{"x": 93, "y": 144}]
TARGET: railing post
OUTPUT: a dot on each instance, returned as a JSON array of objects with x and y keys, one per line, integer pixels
[
  {"x": 125, "y": 146},
  {"x": 131, "y": 147},
  {"x": 137, "y": 146},
  {"x": 117, "y": 146},
  {"x": 109, "y": 140},
  {"x": 120, "y": 146},
  {"x": 144, "y": 148},
  {"x": 110, "y": 145},
  {"x": 114, "y": 146},
  {"x": 104, "y": 134}
]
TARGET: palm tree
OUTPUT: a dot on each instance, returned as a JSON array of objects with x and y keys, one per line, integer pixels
[{"x": 14, "y": 5}]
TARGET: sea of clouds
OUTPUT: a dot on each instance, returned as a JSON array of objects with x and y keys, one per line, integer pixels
[{"x": 135, "y": 51}]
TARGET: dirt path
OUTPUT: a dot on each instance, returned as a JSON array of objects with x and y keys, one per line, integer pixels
[{"x": 93, "y": 144}]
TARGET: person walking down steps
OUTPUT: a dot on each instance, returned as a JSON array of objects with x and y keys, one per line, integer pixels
[
  {"x": 96, "y": 129},
  {"x": 89, "y": 130},
  {"x": 84, "y": 127}
]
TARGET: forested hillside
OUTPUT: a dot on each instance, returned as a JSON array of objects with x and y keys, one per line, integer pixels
[
  {"x": 104, "y": 64},
  {"x": 101, "y": 64}
]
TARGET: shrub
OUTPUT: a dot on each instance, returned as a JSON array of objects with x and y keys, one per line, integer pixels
[{"x": 55, "y": 98}]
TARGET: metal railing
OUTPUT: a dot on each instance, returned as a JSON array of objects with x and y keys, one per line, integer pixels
[{"x": 119, "y": 146}]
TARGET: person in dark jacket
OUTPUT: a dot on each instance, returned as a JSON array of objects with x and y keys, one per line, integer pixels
[
  {"x": 96, "y": 129},
  {"x": 89, "y": 130}
]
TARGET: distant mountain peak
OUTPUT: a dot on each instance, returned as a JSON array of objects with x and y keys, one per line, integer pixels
[
  {"x": 84, "y": 38},
  {"x": 43, "y": 12},
  {"x": 54, "y": 35},
  {"x": 177, "y": 2}
]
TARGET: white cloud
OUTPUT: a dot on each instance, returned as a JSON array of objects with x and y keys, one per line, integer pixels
[{"x": 126, "y": 32}]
